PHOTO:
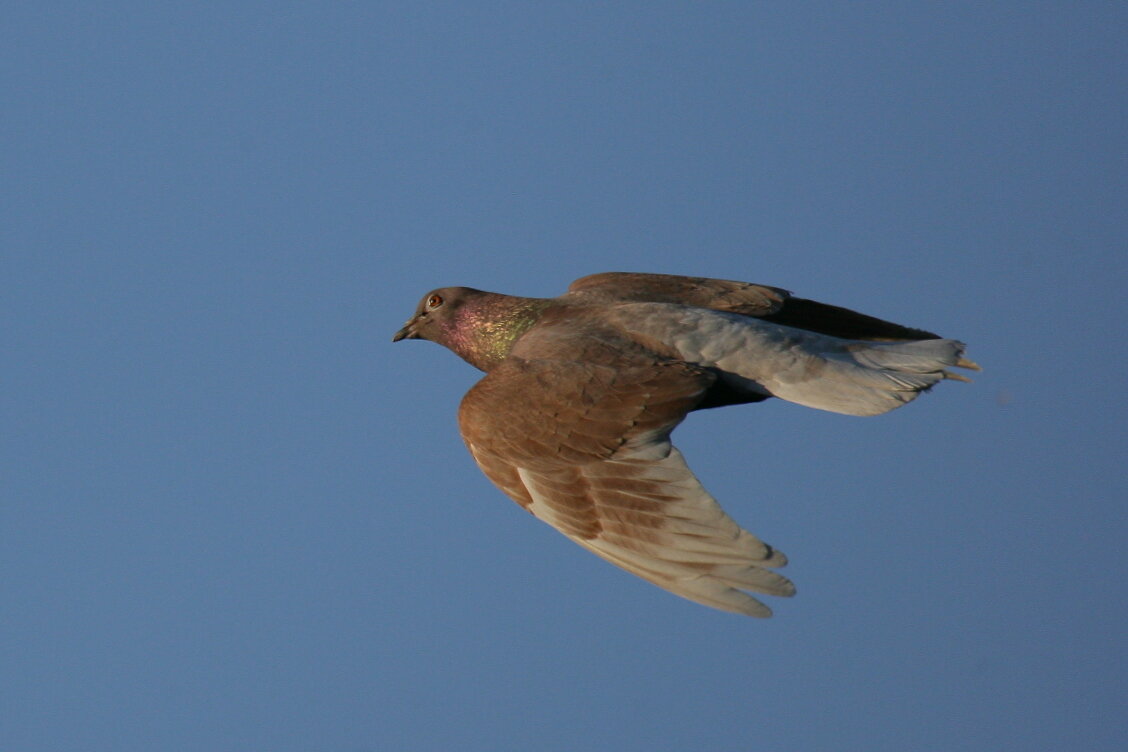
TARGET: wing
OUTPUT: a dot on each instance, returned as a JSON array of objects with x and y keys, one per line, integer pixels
[
  {"x": 769, "y": 303},
  {"x": 584, "y": 445},
  {"x": 718, "y": 294}
]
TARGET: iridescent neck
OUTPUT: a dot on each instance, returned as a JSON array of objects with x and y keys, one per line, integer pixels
[{"x": 483, "y": 331}]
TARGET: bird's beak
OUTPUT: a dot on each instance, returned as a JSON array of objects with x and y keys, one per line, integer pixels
[{"x": 407, "y": 332}]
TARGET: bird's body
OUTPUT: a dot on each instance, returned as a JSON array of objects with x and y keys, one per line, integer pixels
[{"x": 581, "y": 392}]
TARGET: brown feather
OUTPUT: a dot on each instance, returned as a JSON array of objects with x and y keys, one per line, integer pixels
[{"x": 718, "y": 294}]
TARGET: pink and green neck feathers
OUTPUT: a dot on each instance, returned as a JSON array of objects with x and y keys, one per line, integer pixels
[{"x": 483, "y": 329}]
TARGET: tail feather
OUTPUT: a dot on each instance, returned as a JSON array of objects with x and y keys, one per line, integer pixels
[
  {"x": 872, "y": 378},
  {"x": 758, "y": 358},
  {"x": 862, "y": 378}
]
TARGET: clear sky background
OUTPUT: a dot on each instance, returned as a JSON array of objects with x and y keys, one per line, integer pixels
[{"x": 236, "y": 517}]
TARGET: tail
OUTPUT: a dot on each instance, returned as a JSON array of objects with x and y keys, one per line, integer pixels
[
  {"x": 758, "y": 358},
  {"x": 870, "y": 378}
]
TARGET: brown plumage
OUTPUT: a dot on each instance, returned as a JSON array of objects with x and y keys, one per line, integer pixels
[{"x": 581, "y": 392}]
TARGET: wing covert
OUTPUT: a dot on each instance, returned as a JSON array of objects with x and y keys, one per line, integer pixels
[{"x": 718, "y": 294}]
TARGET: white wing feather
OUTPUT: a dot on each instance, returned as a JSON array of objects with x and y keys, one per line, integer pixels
[{"x": 690, "y": 547}]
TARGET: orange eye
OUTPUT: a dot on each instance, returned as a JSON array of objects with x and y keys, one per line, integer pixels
[{"x": 434, "y": 301}]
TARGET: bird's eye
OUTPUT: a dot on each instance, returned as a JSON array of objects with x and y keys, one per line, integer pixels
[{"x": 434, "y": 301}]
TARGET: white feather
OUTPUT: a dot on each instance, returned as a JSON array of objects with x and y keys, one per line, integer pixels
[
  {"x": 840, "y": 375},
  {"x": 697, "y": 551}
]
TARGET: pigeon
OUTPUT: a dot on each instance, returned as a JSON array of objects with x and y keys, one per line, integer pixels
[{"x": 572, "y": 419}]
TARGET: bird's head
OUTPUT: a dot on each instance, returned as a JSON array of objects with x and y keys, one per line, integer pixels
[
  {"x": 480, "y": 327},
  {"x": 435, "y": 317}
]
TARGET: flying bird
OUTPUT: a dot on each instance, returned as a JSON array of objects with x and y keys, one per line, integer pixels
[{"x": 573, "y": 417}]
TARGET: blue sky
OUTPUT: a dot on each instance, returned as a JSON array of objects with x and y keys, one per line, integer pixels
[{"x": 235, "y": 516}]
